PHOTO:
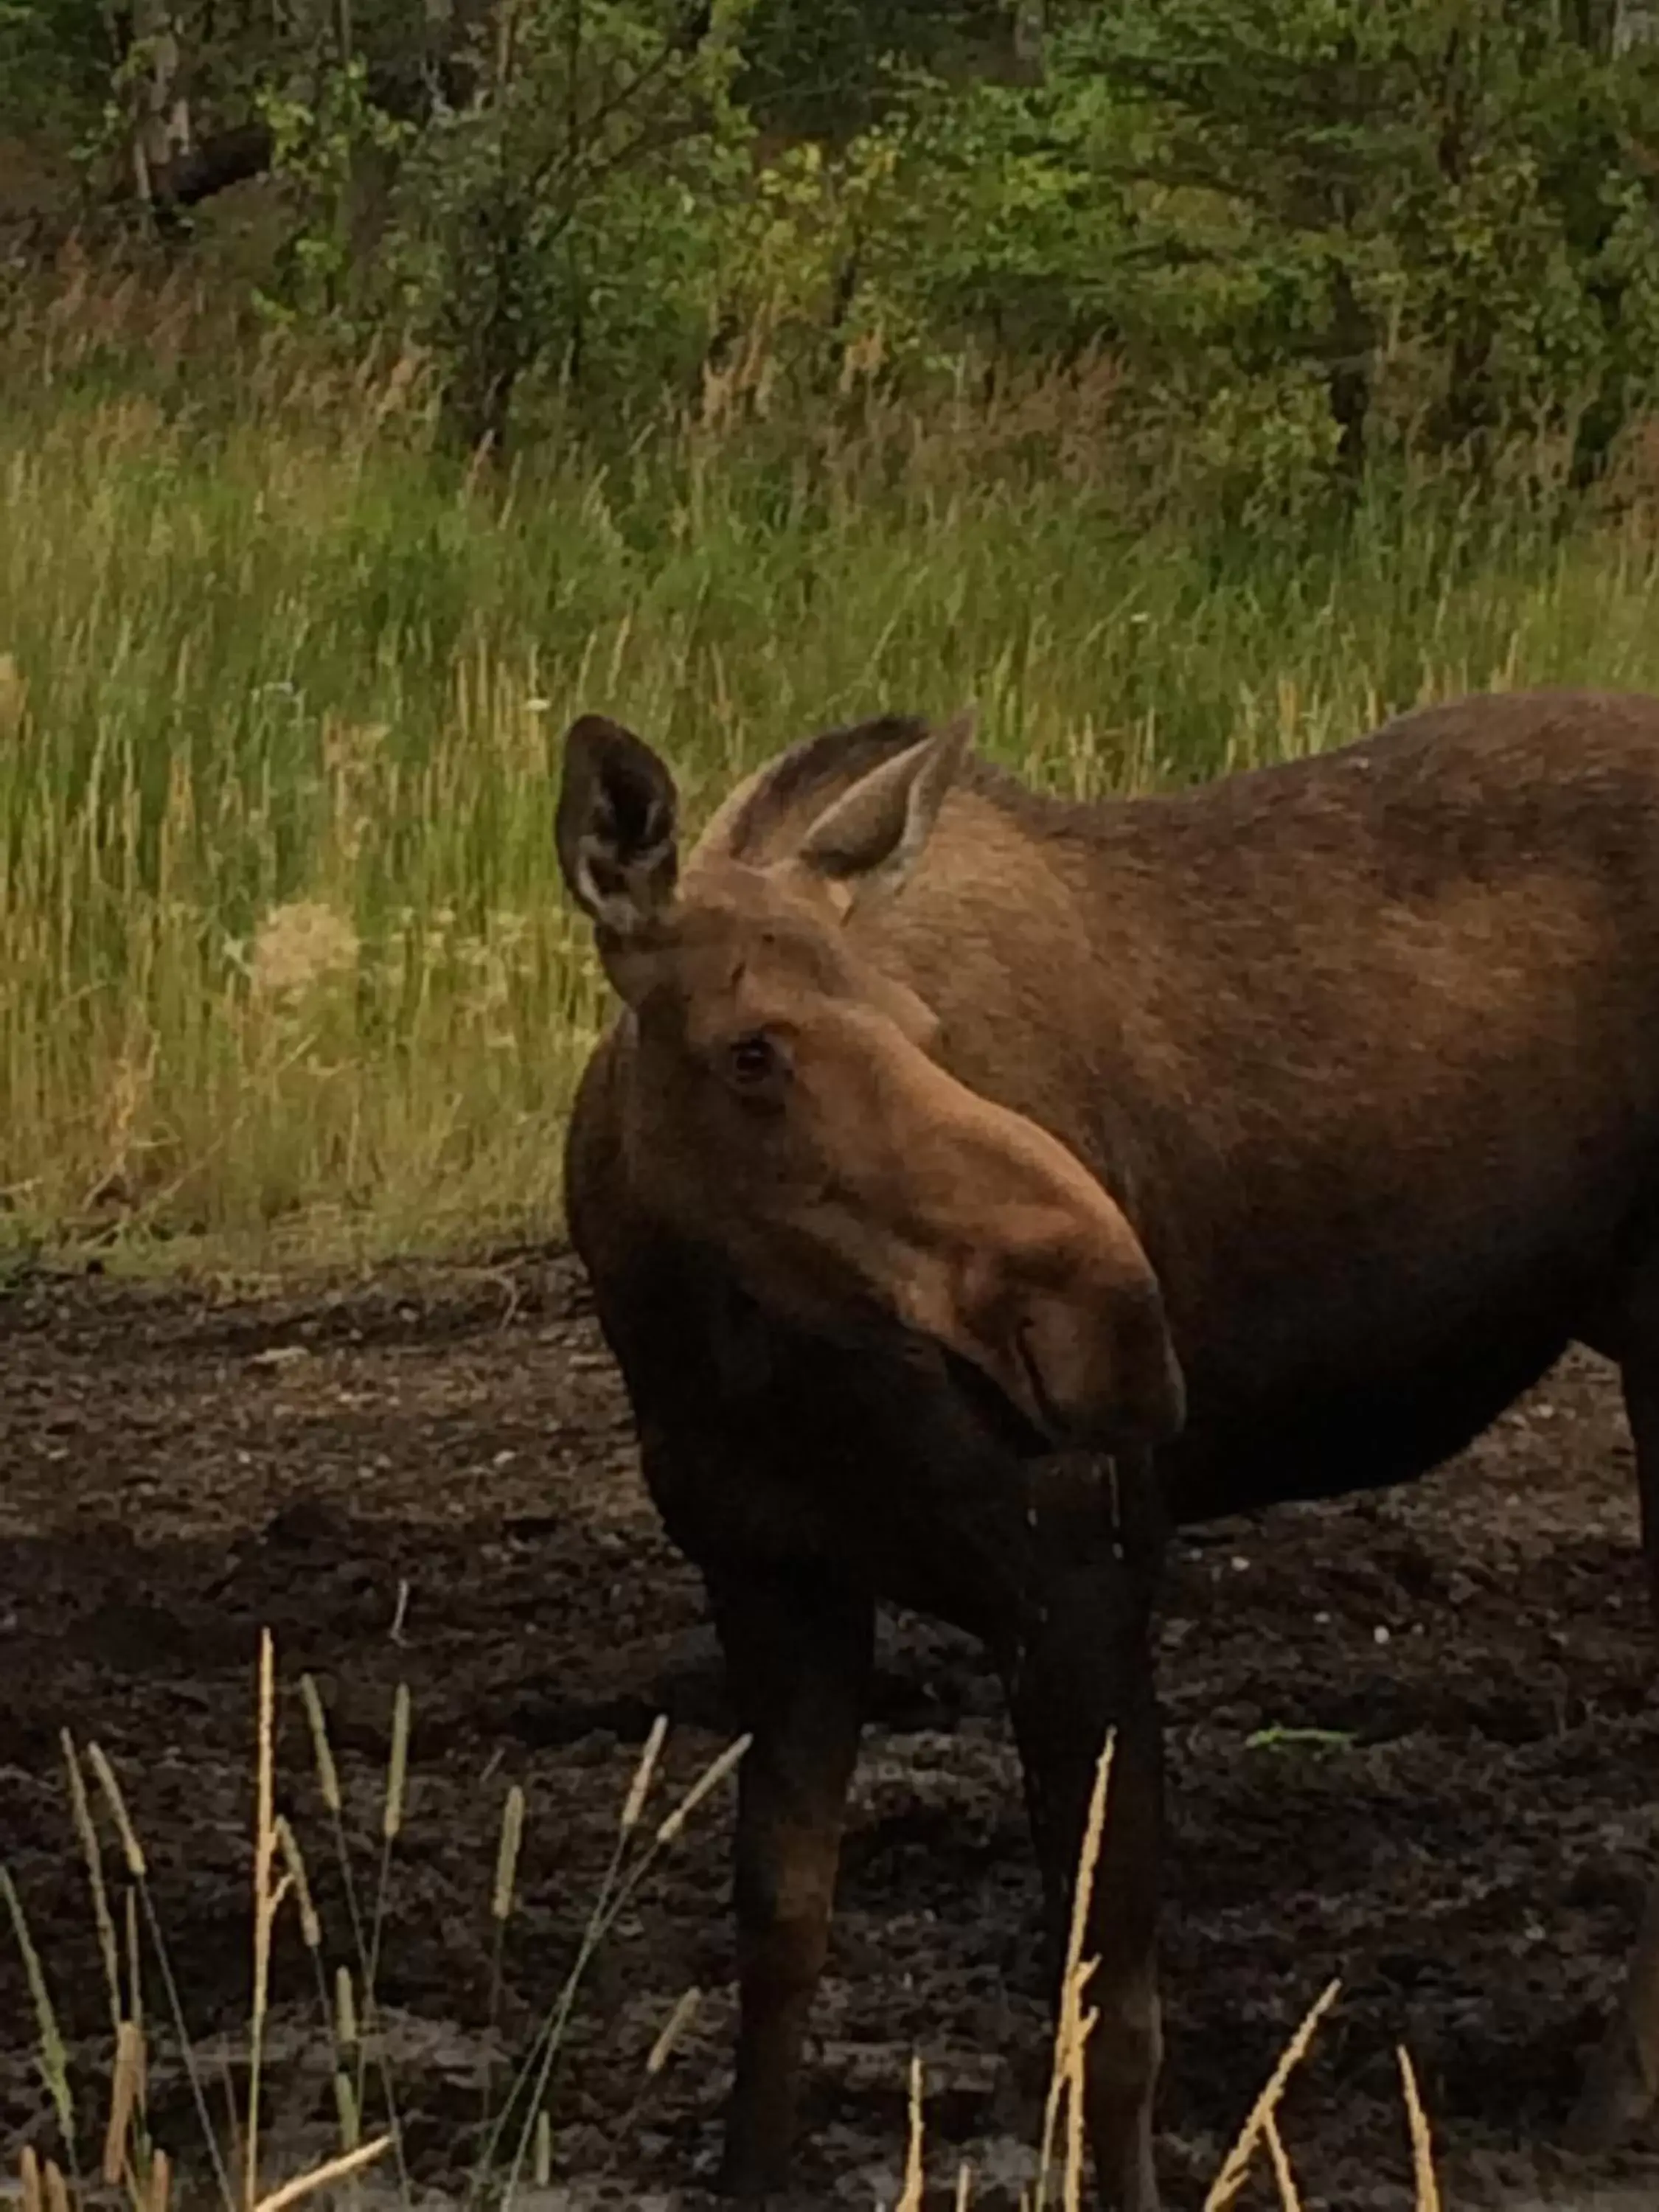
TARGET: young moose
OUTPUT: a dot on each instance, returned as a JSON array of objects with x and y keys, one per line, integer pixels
[{"x": 1271, "y": 1137}]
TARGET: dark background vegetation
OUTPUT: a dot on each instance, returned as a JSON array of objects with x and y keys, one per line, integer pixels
[{"x": 1308, "y": 235}]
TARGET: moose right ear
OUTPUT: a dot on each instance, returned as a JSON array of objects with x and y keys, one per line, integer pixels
[
  {"x": 616, "y": 826},
  {"x": 869, "y": 840}
]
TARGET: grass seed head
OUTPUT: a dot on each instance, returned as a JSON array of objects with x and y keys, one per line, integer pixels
[
  {"x": 92, "y": 1855},
  {"x": 708, "y": 1781},
  {"x": 328, "y": 1778},
  {"x": 685, "y": 2012},
  {"x": 507, "y": 1856},
  {"x": 639, "y": 1787},
  {"x": 117, "y": 1806},
  {"x": 397, "y": 1773}
]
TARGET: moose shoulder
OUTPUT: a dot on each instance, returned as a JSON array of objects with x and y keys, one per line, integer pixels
[{"x": 1271, "y": 1137}]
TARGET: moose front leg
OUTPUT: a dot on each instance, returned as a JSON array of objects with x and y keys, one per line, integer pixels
[
  {"x": 1621, "y": 2085},
  {"x": 1081, "y": 1666},
  {"x": 797, "y": 1652}
]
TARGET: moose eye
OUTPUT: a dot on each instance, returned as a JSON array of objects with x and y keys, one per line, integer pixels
[{"x": 752, "y": 1061}]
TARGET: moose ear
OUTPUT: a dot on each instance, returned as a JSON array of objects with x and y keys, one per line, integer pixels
[
  {"x": 870, "y": 838},
  {"x": 616, "y": 826}
]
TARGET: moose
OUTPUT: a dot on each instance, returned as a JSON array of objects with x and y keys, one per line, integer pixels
[{"x": 975, "y": 1185}]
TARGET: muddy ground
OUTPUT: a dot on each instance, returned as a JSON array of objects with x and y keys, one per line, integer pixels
[{"x": 1465, "y": 1848}]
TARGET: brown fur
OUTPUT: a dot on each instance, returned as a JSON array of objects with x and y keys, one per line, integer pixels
[{"x": 1363, "y": 1053}]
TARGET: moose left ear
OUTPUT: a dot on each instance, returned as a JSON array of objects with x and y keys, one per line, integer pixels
[
  {"x": 870, "y": 838},
  {"x": 617, "y": 826}
]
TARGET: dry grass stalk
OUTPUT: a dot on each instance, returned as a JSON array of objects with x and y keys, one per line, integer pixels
[
  {"x": 1070, "y": 2034},
  {"x": 322, "y": 2177},
  {"x": 500, "y": 1911},
  {"x": 391, "y": 1819},
  {"x": 397, "y": 1773},
  {"x": 914, "y": 2180},
  {"x": 685, "y": 2011},
  {"x": 345, "y": 2106},
  {"x": 157, "y": 2195},
  {"x": 964, "y": 2186},
  {"x": 354, "y": 2024},
  {"x": 311, "y": 1927},
  {"x": 1428, "y": 2189},
  {"x": 267, "y": 1898},
  {"x": 134, "y": 1956},
  {"x": 619, "y": 1885},
  {"x": 13, "y": 697},
  {"x": 54, "y": 2059},
  {"x": 58, "y": 2195},
  {"x": 29, "y": 2175},
  {"x": 135, "y": 2011},
  {"x": 137, "y": 1869},
  {"x": 1076, "y": 2103},
  {"x": 124, "y": 2093},
  {"x": 1230, "y": 2180},
  {"x": 87, "y": 1833},
  {"x": 1289, "y": 2198}
]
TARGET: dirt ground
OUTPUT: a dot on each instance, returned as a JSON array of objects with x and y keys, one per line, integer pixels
[{"x": 1465, "y": 1848}]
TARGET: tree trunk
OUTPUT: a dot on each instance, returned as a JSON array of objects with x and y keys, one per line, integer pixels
[{"x": 160, "y": 110}]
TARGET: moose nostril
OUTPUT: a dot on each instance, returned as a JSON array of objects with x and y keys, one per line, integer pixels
[{"x": 1050, "y": 1419}]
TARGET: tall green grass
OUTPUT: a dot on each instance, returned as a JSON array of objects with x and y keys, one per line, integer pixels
[{"x": 283, "y": 959}]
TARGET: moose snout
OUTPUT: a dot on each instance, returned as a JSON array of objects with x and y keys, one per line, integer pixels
[
  {"x": 1061, "y": 1308},
  {"x": 1093, "y": 1365},
  {"x": 978, "y": 1226}
]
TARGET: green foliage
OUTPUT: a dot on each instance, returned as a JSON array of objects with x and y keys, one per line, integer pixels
[
  {"x": 319, "y": 146},
  {"x": 819, "y": 68},
  {"x": 55, "y": 57},
  {"x": 1302, "y": 227},
  {"x": 1304, "y": 233},
  {"x": 567, "y": 220},
  {"x": 1438, "y": 215}
]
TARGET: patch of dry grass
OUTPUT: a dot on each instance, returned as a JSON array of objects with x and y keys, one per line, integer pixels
[
  {"x": 1062, "y": 2175},
  {"x": 229, "y": 2162},
  {"x": 517, "y": 2133}
]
